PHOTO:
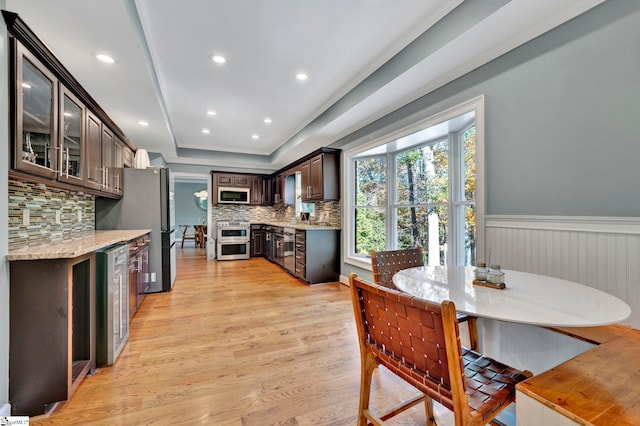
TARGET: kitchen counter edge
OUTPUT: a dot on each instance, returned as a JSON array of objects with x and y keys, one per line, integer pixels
[
  {"x": 299, "y": 226},
  {"x": 89, "y": 242}
]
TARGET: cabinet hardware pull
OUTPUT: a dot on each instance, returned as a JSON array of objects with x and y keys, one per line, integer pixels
[{"x": 60, "y": 173}]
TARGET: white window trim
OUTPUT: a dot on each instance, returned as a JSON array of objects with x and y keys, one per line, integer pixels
[{"x": 475, "y": 104}]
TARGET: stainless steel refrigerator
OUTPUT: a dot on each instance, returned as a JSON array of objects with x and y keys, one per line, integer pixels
[{"x": 147, "y": 203}]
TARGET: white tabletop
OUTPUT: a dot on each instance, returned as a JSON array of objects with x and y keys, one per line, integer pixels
[{"x": 528, "y": 298}]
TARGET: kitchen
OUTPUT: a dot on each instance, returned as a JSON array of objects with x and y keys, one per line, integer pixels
[{"x": 521, "y": 219}]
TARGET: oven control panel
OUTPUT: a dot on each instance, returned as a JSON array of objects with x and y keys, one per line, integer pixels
[{"x": 232, "y": 223}]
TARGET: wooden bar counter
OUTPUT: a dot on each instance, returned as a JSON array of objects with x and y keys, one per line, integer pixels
[{"x": 598, "y": 387}]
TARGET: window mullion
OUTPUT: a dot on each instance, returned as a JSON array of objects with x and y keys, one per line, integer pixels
[{"x": 391, "y": 214}]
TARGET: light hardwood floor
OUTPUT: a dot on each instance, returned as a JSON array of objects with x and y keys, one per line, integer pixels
[{"x": 235, "y": 343}]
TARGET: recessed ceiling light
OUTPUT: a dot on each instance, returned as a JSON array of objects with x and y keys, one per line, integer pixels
[
  {"x": 267, "y": 120},
  {"x": 302, "y": 76},
  {"x": 218, "y": 59},
  {"x": 205, "y": 131},
  {"x": 211, "y": 112},
  {"x": 143, "y": 123},
  {"x": 26, "y": 85},
  {"x": 255, "y": 136},
  {"x": 105, "y": 58}
]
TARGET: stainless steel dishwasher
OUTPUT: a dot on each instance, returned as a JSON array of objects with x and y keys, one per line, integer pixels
[{"x": 112, "y": 302}]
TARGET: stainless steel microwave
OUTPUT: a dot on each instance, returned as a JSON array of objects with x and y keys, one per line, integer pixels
[{"x": 233, "y": 195}]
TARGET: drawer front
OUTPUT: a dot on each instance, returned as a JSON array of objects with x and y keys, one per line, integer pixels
[{"x": 300, "y": 271}]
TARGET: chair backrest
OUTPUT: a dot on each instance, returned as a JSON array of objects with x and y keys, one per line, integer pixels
[
  {"x": 416, "y": 339},
  {"x": 385, "y": 264}
]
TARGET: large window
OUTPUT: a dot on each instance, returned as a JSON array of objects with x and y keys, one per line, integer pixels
[{"x": 418, "y": 186}]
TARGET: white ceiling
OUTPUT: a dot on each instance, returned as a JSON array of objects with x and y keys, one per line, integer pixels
[{"x": 364, "y": 59}]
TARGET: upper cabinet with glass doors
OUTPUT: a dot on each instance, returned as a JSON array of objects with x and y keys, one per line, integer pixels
[
  {"x": 72, "y": 137},
  {"x": 36, "y": 119},
  {"x": 59, "y": 134}
]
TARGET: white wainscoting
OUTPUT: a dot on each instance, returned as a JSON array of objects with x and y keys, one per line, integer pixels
[
  {"x": 602, "y": 253},
  {"x": 530, "y": 412}
]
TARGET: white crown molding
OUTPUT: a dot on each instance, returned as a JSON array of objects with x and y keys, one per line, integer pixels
[{"x": 600, "y": 224}]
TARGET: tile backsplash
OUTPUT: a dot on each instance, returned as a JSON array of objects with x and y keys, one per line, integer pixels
[
  {"x": 280, "y": 213},
  {"x": 76, "y": 211}
]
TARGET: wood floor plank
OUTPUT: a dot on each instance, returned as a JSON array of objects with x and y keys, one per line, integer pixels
[{"x": 235, "y": 343}]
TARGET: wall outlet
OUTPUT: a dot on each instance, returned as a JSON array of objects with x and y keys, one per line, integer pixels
[
  {"x": 58, "y": 217},
  {"x": 26, "y": 217},
  {"x": 153, "y": 277},
  {"x": 79, "y": 216}
]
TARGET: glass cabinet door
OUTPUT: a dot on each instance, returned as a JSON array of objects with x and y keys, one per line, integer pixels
[
  {"x": 36, "y": 116},
  {"x": 71, "y": 138}
]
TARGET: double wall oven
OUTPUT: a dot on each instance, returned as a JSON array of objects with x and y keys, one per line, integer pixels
[{"x": 233, "y": 239}]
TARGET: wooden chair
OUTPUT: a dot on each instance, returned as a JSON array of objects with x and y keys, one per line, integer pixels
[
  {"x": 201, "y": 235},
  {"x": 419, "y": 341},
  {"x": 385, "y": 264},
  {"x": 187, "y": 235}
]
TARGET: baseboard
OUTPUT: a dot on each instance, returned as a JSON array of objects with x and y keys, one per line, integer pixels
[
  {"x": 344, "y": 280},
  {"x": 5, "y": 410}
]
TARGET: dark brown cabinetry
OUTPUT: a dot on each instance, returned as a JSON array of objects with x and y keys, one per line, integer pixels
[
  {"x": 320, "y": 178},
  {"x": 112, "y": 162},
  {"x": 35, "y": 115},
  {"x": 316, "y": 252},
  {"x": 106, "y": 147},
  {"x": 257, "y": 241},
  {"x": 256, "y": 195},
  {"x": 278, "y": 189},
  {"x": 127, "y": 157},
  {"x": 267, "y": 191},
  {"x": 317, "y": 255},
  {"x": 233, "y": 180},
  {"x": 301, "y": 255},
  {"x": 56, "y": 128},
  {"x": 104, "y": 157},
  {"x": 259, "y": 191},
  {"x": 94, "y": 152},
  {"x": 118, "y": 166},
  {"x": 72, "y": 139},
  {"x": 52, "y": 331}
]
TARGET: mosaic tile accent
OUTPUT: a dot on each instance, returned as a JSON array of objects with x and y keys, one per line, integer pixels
[
  {"x": 280, "y": 213},
  {"x": 77, "y": 214}
]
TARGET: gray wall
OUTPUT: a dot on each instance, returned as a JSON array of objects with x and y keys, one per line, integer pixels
[
  {"x": 560, "y": 116},
  {"x": 4, "y": 215},
  {"x": 187, "y": 212}
]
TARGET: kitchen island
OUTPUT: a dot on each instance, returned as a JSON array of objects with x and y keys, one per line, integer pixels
[{"x": 52, "y": 320}]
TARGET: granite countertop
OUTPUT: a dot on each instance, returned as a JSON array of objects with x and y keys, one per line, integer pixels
[
  {"x": 91, "y": 241},
  {"x": 301, "y": 226}
]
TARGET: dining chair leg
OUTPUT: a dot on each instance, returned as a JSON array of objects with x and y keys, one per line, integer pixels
[
  {"x": 431, "y": 417},
  {"x": 472, "y": 323},
  {"x": 368, "y": 366}
]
